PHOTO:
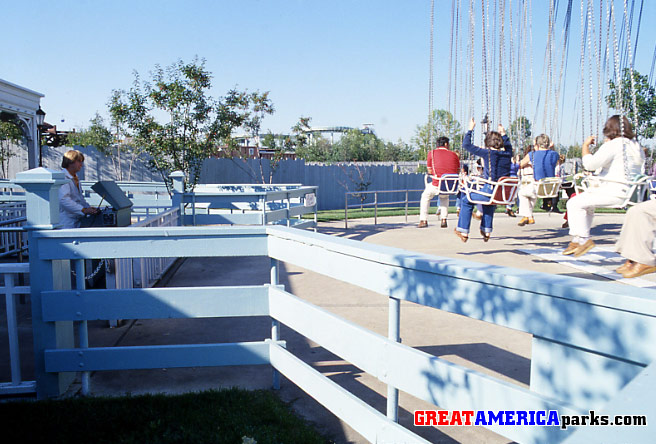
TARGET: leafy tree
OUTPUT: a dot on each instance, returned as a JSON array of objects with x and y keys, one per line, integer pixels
[
  {"x": 279, "y": 144},
  {"x": 520, "y": 133},
  {"x": 194, "y": 124},
  {"x": 10, "y": 135},
  {"x": 573, "y": 152},
  {"x": 443, "y": 124},
  {"x": 645, "y": 102}
]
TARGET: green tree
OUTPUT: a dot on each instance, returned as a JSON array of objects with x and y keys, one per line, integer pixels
[
  {"x": 10, "y": 135},
  {"x": 312, "y": 149},
  {"x": 573, "y": 152},
  {"x": 194, "y": 124},
  {"x": 520, "y": 133},
  {"x": 279, "y": 144},
  {"x": 443, "y": 124},
  {"x": 645, "y": 102}
]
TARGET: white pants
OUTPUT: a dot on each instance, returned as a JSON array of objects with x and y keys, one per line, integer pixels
[
  {"x": 638, "y": 232},
  {"x": 580, "y": 210},
  {"x": 527, "y": 199},
  {"x": 526, "y": 205},
  {"x": 428, "y": 194}
]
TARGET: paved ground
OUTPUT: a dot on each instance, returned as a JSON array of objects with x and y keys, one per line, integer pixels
[{"x": 495, "y": 350}]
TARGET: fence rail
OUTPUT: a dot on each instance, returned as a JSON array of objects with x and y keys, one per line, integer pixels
[
  {"x": 613, "y": 327},
  {"x": 376, "y": 202}
]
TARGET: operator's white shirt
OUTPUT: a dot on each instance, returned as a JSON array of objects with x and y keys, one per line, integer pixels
[{"x": 71, "y": 202}]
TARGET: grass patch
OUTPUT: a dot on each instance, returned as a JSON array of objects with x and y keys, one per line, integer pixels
[
  {"x": 233, "y": 416},
  {"x": 356, "y": 213}
]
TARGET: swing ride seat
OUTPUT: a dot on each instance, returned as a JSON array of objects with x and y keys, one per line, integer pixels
[
  {"x": 635, "y": 193},
  {"x": 652, "y": 189},
  {"x": 487, "y": 192},
  {"x": 449, "y": 183},
  {"x": 548, "y": 187}
]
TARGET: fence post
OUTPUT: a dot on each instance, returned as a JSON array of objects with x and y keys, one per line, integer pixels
[
  {"x": 406, "y": 206},
  {"x": 275, "y": 325},
  {"x": 375, "y": 207},
  {"x": 42, "y": 207},
  {"x": 178, "y": 178},
  {"x": 12, "y": 328},
  {"x": 346, "y": 211},
  {"x": 393, "y": 333}
]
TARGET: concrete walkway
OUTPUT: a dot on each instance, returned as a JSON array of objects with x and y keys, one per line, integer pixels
[{"x": 494, "y": 350}]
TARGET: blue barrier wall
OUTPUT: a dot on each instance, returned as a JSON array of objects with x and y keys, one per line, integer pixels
[{"x": 333, "y": 180}]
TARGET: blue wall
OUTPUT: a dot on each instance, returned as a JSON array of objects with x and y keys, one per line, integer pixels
[{"x": 333, "y": 180}]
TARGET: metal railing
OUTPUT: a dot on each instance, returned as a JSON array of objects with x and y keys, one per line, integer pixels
[
  {"x": 147, "y": 271},
  {"x": 250, "y": 204},
  {"x": 608, "y": 344},
  {"x": 11, "y": 273},
  {"x": 12, "y": 219},
  {"x": 377, "y": 202}
]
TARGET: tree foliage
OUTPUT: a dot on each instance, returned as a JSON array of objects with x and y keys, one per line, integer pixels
[
  {"x": 645, "y": 102},
  {"x": 442, "y": 124},
  {"x": 178, "y": 124},
  {"x": 353, "y": 146},
  {"x": 10, "y": 135},
  {"x": 520, "y": 133}
]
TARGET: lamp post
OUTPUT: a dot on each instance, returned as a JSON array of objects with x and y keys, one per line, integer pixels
[{"x": 40, "y": 118}]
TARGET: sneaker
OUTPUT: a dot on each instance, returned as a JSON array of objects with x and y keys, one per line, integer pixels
[
  {"x": 443, "y": 225},
  {"x": 584, "y": 248},
  {"x": 422, "y": 224},
  {"x": 524, "y": 221},
  {"x": 571, "y": 248},
  {"x": 510, "y": 212},
  {"x": 530, "y": 221}
]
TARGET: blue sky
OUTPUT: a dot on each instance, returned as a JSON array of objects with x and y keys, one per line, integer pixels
[{"x": 339, "y": 62}]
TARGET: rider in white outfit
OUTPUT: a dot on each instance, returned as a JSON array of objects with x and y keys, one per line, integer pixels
[{"x": 620, "y": 159}]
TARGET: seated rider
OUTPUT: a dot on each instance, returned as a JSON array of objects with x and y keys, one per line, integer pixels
[
  {"x": 439, "y": 161},
  {"x": 496, "y": 158},
  {"x": 543, "y": 160}
]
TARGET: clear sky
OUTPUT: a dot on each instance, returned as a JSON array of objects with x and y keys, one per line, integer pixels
[{"x": 339, "y": 62}]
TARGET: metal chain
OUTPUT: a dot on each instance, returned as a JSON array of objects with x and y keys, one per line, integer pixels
[
  {"x": 599, "y": 52},
  {"x": 430, "y": 82},
  {"x": 95, "y": 272},
  {"x": 634, "y": 101},
  {"x": 485, "y": 67},
  {"x": 510, "y": 78},
  {"x": 549, "y": 79},
  {"x": 618, "y": 88},
  {"x": 448, "y": 91},
  {"x": 556, "y": 114},
  {"x": 590, "y": 59},
  {"x": 455, "y": 74},
  {"x": 581, "y": 68},
  {"x": 502, "y": 44},
  {"x": 471, "y": 57}
]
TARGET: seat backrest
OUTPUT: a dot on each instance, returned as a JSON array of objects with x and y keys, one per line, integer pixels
[
  {"x": 505, "y": 190},
  {"x": 449, "y": 183},
  {"x": 548, "y": 187},
  {"x": 638, "y": 192}
]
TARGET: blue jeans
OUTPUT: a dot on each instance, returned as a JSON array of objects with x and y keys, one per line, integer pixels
[{"x": 466, "y": 210}]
